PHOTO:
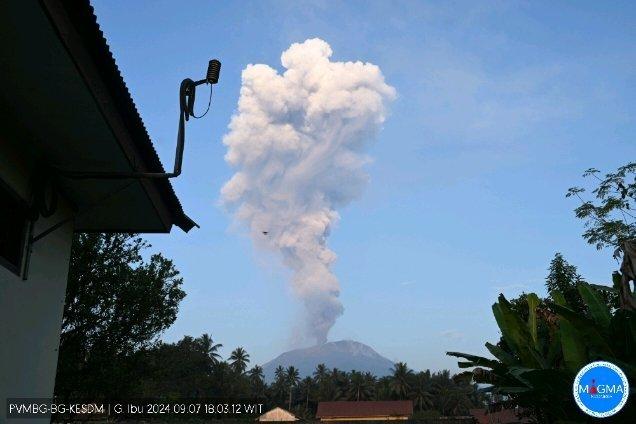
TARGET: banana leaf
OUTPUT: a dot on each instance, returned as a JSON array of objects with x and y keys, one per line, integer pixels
[
  {"x": 501, "y": 354},
  {"x": 533, "y": 302},
  {"x": 587, "y": 329},
  {"x": 515, "y": 331},
  {"x": 599, "y": 311},
  {"x": 476, "y": 361},
  {"x": 572, "y": 345}
]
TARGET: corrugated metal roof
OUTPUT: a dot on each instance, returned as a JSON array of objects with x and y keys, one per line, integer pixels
[
  {"x": 82, "y": 16},
  {"x": 346, "y": 409}
]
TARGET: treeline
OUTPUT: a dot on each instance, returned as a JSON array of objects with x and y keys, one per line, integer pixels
[
  {"x": 118, "y": 302},
  {"x": 192, "y": 368}
]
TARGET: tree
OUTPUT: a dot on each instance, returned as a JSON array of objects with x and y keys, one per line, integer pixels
[
  {"x": 307, "y": 386},
  {"x": 321, "y": 373},
  {"x": 279, "y": 387},
  {"x": 564, "y": 278},
  {"x": 210, "y": 347},
  {"x": 293, "y": 378},
  {"x": 360, "y": 386},
  {"x": 536, "y": 372},
  {"x": 239, "y": 360},
  {"x": 181, "y": 369},
  {"x": 609, "y": 218},
  {"x": 400, "y": 380},
  {"x": 422, "y": 391},
  {"x": 116, "y": 304},
  {"x": 257, "y": 381}
]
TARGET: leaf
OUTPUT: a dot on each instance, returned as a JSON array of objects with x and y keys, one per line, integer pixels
[
  {"x": 603, "y": 288},
  {"x": 533, "y": 302},
  {"x": 515, "y": 331},
  {"x": 588, "y": 329},
  {"x": 574, "y": 352},
  {"x": 598, "y": 308},
  {"x": 477, "y": 361},
  {"x": 501, "y": 354}
]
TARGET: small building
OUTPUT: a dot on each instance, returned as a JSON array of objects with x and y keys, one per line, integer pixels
[
  {"x": 278, "y": 414},
  {"x": 365, "y": 410}
]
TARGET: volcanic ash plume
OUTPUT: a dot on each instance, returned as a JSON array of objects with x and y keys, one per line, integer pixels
[{"x": 298, "y": 145}]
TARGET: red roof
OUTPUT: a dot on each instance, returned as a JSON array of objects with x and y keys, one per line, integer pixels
[{"x": 345, "y": 409}]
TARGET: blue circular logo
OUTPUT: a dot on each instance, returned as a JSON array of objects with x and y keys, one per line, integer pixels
[{"x": 600, "y": 389}]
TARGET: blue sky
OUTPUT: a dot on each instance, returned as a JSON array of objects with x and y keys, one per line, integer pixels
[{"x": 501, "y": 106}]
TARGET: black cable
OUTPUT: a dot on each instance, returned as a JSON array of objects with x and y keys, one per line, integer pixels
[
  {"x": 208, "y": 108},
  {"x": 187, "y": 92}
]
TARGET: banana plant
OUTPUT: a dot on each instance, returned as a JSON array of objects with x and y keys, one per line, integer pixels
[{"x": 537, "y": 371}]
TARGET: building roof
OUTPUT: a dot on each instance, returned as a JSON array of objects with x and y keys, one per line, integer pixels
[
  {"x": 67, "y": 108},
  {"x": 346, "y": 409},
  {"x": 277, "y": 414},
  {"x": 82, "y": 16}
]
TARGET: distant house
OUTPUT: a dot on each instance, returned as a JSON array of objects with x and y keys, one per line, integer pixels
[
  {"x": 365, "y": 411},
  {"x": 503, "y": 416},
  {"x": 278, "y": 414}
]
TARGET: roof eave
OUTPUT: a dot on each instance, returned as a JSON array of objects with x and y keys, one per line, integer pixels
[{"x": 77, "y": 27}]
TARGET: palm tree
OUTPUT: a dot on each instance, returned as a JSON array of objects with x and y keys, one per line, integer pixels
[
  {"x": 279, "y": 373},
  {"x": 256, "y": 373},
  {"x": 256, "y": 377},
  {"x": 307, "y": 385},
  {"x": 293, "y": 377},
  {"x": 321, "y": 377},
  {"x": 371, "y": 382},
  {"x": 400, "y": 380},
  {"x": 239, "y": 360},
  {"x": 320, "y": 373},
  {"x": 208, "y": 346},
  {"x": 422, "y": 391},
  {"x": 359, "y": 386}
]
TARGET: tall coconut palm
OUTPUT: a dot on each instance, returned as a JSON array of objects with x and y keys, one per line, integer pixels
[
  {"x": 256, "y": 379},
  {"x": 279, "y": 373},
  {"x": 210, "y": 348},
  {"x": 256, "y": 374},
  {"x": 307, "y": 386},
  {"x": 422, "y": 391},
  {"x": 400, "y": 380},
  {"x": 292, "y": 377},
  {"x": 239, "y": 360},
  {"x": 321, "y": 373},
  {"x": 359, "y": 387}
]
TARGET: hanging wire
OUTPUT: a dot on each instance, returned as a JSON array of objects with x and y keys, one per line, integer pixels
[{"x": 208, "y": 108}]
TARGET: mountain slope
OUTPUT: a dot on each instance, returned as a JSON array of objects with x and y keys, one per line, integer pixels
[{"x": 346, "y": 355}]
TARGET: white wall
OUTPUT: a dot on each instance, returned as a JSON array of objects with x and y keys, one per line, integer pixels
[{"x": 31, "y": 310}]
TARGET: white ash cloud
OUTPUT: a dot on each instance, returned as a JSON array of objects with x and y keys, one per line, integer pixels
[{"x": 297, "y": 143}]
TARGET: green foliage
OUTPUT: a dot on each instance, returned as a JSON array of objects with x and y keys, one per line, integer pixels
[
  {"x": 239, "y": 360},
  {"x": 609, "y": 218},
  {"x": 537, "y": 373},
  {"x": 117, "y": 303},
  {"x": 564, "y": 278}
]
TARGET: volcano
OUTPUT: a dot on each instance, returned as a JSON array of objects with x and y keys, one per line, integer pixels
[{"x": 346, "y": 355}]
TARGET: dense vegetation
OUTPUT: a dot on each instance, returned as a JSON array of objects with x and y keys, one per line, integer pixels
[
  {"x": 118, "y": 303},
  {"x": 192, "y": 368},
  {"x": 546, "y": 341}
]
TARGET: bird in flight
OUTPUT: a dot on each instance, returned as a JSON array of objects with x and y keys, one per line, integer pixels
[{"x": 265, "y": 233}]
